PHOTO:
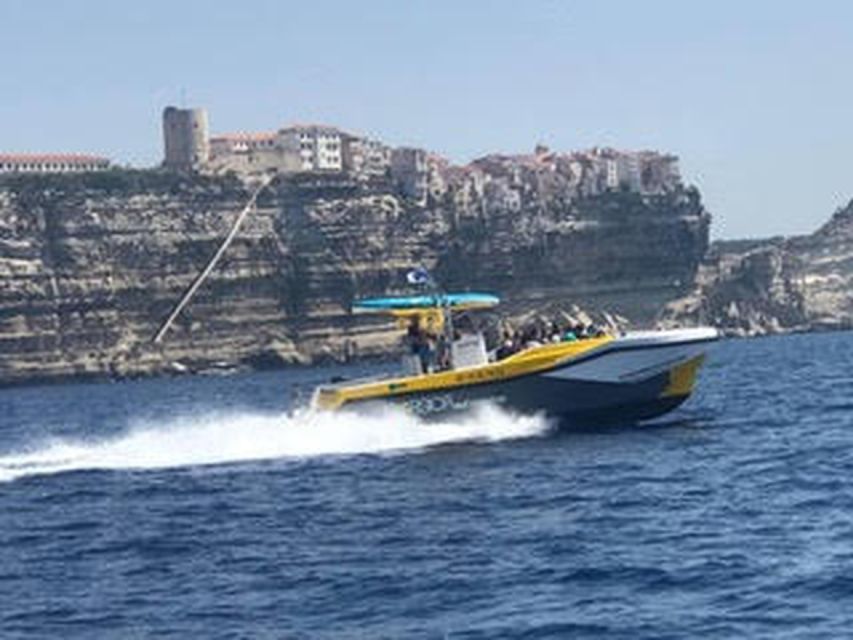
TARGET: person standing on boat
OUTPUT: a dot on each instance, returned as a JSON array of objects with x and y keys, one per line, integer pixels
[
  {"x": 418, "y": 343},
  {"x": 442, "y": 352}
]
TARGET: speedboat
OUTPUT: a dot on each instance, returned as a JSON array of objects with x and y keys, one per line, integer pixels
[{"x": 631, "y": 377}]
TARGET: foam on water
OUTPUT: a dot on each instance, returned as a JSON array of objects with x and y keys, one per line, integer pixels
[{"x": 229, "y": 438}]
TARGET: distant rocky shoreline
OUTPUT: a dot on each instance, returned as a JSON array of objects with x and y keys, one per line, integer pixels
[{"x": 778, "y": 285}]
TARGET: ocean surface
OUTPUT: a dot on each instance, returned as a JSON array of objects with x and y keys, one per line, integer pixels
[{"x": 211, "y": 507}]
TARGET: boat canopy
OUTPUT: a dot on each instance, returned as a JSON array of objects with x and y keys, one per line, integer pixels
[{"x": 405, "y": 305}]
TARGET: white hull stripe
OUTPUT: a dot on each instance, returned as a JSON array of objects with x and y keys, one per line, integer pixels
[{"x": 631, "y": 360}]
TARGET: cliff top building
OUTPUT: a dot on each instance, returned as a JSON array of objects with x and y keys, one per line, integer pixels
[
  {"x": 185, "y": 138},
  {"x": 241, "y": 142},
  {"x": 415, "y": 173},
  {"x": 410, "y": 172},
  {"x": 251, "y": 153},
  {"x": 298, "y": 148},
  {"x": 51, "y": 163},
  {"x": 320, "y": 147}
]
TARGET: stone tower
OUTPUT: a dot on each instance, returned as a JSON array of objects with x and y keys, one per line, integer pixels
[{"x": 185, "y": 138}]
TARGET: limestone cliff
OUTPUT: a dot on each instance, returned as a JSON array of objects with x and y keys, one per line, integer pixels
[
  {"x": 91, "y": 264},
  {"x": 826, "y": 272},
  {"x": 776, "y": 285}
]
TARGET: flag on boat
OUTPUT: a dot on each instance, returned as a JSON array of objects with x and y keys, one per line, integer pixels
[{"x": 418, "y": 276}]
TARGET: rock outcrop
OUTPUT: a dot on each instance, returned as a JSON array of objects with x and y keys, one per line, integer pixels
[
  {"x": 91, "y": 264},
  {"x": 777, "y": 285}
]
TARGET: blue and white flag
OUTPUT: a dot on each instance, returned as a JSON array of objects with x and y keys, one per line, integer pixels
[{"x": 418, "y": 276}]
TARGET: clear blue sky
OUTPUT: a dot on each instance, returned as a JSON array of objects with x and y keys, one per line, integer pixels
[{"x": 755, "y": 97}]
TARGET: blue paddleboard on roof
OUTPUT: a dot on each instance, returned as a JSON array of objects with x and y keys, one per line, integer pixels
[{"x": 453, "y": 300}]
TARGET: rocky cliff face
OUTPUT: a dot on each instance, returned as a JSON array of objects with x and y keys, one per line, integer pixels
[
  {"x": 776, "y": 285},
  {"x": 92, "y": 264},
  {"x": 826, "y": 271}
]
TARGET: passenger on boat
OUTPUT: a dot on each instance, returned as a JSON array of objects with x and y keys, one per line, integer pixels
[
  {"x": 532, "y": 337},
  {"x": 554, "y": 333},
  {"x": 442, "y": 352},
  {"x": 506, "y": 349},
  {"x": 510, "y": 343},
  {"x": 418, "y": 342},
  {"x": 569, "y": 335}
]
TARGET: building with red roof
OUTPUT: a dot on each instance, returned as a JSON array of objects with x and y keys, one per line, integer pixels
[{"x": 51, "y": 163}]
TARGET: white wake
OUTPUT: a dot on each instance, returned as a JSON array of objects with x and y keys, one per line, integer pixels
[{"x": 232, "y": 438}]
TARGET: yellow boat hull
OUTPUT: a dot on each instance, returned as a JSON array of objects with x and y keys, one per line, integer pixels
[{"x": 633, "y": 377}]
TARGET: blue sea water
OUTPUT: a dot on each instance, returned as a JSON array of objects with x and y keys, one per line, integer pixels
[{"x": 209, "y": 508}]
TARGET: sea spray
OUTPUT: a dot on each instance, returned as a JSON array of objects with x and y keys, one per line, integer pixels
[{"x": 211, "y": 439}]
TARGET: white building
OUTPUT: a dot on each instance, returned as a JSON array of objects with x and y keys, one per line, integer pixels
[
  {"x": 51, "y": 163},
  {"x": 365, "y": 157},
  {"x": 623, "y": 171},
  {"x": 320, "y": 147},
  {"x": 300, "y": 148}
]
